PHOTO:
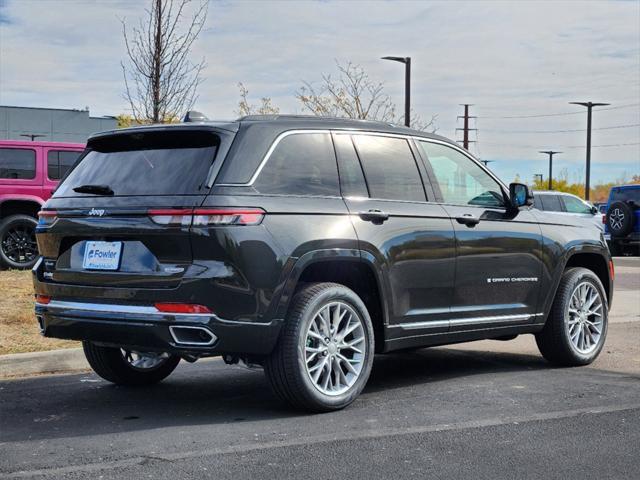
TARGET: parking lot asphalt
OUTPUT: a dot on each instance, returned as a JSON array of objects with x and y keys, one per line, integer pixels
[{"x": 480, "y": 410}]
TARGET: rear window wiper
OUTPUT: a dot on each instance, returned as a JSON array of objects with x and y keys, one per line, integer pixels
[{"x": 94, "y": 189}]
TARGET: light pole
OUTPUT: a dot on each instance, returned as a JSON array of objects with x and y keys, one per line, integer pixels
[
  {"x": 550, "y": 153},
  {"x": 589, "y": 106},
  {"x": 32, "y": 136},
  {"x": 407, "y": 86}
]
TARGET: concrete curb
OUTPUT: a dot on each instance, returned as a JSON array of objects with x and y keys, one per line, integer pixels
[{"x": 54, "y": 361}]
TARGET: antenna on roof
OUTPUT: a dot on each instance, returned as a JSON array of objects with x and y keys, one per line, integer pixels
[{"x": 194, "y": 116}]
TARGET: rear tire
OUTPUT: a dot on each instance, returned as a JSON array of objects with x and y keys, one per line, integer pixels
[
  {"x": 321, "y": 366},
  {"x": 18, "y": 247},
  {"x": 111, "y": 364},
  {"x": 576, "y": 329}
]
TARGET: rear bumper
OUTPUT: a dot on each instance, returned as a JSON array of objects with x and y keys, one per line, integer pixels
[
  {"x": 146, "y": 329},
  {"x": 632, "y": 239}
]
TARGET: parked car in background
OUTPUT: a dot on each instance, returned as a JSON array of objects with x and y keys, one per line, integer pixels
[
  {"x": 623, "y": 219},
  {"x": 29, "y": 171},
  {"x": 567, "y": 204}
]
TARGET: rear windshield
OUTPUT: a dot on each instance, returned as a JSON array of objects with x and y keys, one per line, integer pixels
[
  {"x": 626, "y": 195},
  {"x": 152, "y": 163}
]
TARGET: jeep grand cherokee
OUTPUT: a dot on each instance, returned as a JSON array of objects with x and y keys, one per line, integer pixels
[{"x": 305, "y": 245}]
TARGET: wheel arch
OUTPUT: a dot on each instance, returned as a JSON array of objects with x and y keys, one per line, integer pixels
[
  {"x": 347, "y": 267},
  {"x": 25, "y": 205}
]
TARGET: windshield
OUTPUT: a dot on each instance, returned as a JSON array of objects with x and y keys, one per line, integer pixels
[{"x": 158, "y": 163}]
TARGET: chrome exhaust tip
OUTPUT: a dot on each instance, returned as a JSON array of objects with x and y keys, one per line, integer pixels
[{"x": 194, "y": 336}]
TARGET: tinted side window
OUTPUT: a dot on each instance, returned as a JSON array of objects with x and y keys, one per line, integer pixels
[
  {"x": 59, "y": 162},
  {"x": 626, "y": 195},
  {"x": 461, "y": 180},
  {"x": 390, "y": 168},
  {"x": 16, "y": 163},
  {"x": 352, "y": 181},
  {"x": 575, "y": 205},
  {"x": 301, "y": 164},
  {"x": 551, "y": 203}
]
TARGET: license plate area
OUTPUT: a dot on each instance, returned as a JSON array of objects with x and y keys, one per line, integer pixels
[{"x": 102, "y": 255}]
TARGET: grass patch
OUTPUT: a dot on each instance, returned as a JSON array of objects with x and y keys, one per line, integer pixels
[{"x": 18, "y": 327}]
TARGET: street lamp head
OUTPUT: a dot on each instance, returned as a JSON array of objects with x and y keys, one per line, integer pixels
[
  {"x": 549, "y": 152},
  {"x": 589, "y": 104},
  {"x": 397, "y": 59}
]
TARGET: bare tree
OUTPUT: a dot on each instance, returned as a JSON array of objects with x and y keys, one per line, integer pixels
[
  {"x": 354, "y": 95},
  {"x": 160, "y": 80},
  {"x": 246, "y": 108}
]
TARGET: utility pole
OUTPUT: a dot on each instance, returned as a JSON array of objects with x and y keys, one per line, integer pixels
[
  {"x": 466, "y": 129},
  {"x": 550, "y": 153},
  {"x": 407, "y": 86},
  {"x": 589, "y": 106}
]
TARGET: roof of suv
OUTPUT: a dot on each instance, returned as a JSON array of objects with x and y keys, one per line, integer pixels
[{"x": 286, "y": 122}]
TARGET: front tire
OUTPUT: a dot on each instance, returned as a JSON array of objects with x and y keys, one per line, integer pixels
[
  {"x": 325, "y": 352},
  {"x": 127, "y": 367},
  {"x": 576, "y": 329}
]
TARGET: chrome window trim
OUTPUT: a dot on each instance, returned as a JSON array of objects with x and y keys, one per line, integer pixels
[
  {"x": 361, "y": 132},
  {"x": 265, "y": 159}
]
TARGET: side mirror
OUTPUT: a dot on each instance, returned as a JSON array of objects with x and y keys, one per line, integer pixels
[
  {"x": 520, "y": 195},
  {"x": 594, "y": 210}
]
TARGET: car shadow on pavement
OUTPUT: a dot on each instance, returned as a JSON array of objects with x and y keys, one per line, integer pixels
[
  {"x": 210, "y": 393},
  {"x": 431, "y": 365}
]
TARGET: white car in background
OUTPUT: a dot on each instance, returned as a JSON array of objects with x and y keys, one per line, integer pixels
[{"x": 567, "y": 204}]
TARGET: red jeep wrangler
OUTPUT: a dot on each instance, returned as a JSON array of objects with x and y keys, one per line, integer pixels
[{"x": 29, "y": 171}]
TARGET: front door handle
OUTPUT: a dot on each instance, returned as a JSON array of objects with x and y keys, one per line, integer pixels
[
  {"x": 468, "y": 220},
  {"x": 377, "y": 217}
]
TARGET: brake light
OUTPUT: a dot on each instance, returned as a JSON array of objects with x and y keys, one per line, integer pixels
[
  {"x": 47, "y": 217},
  {"x": 43, "y": 299},
  {"x": 168, "y": 307},
  {"x": 207, "y": 216},
  {"x": 604, "y": 218}
]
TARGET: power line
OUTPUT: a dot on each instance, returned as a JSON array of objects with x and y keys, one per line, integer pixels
[
  {"x": 560, "y": 114},
  {"x": 561, "y": 146},
  {"x": 562, "y": 131}
]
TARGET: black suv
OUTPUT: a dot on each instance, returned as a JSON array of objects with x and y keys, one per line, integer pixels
[{"x": 305, "y": 245}]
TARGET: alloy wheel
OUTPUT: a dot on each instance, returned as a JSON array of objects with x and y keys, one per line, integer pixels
[
  {"x": 19, "y": 244},
  {"x": 144, "y": 360},
  {"x": 335, "y": 348},
  {"x": 617, "y": 217},
  {"x": 584, "y": 318}
]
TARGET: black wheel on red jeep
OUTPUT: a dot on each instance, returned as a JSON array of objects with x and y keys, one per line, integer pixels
[
  {"x": 18, "y": 248},
  {"x": 129, "y": 367}
]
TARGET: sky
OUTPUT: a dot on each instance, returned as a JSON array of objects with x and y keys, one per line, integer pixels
[{"x": 517, "y": 59}]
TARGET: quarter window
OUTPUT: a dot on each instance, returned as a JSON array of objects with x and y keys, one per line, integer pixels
[
  {"x": 390, "y": 168},
  {"x": 17, "y": 163},
  {"x": 461, "y": 180},
  {"x": 59, "y": 162},
  {"x": 301, "y": 164}
]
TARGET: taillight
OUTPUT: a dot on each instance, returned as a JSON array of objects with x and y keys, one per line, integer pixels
[
  {"x": 227, "y": 216},
  {"x": 604, "y": 218},
  {"x": 43, "y": 299},
  {"x": 207, "y": 216},
  {"x": 47, "y": 217},
  {"x": 171, "y": 216},
  {"x": 168, "y": 307}
]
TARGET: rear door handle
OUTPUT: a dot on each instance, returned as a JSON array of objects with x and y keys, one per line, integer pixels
[
  {"x": 468, "y": 220},
  {"x": 377, "y": 217}
]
